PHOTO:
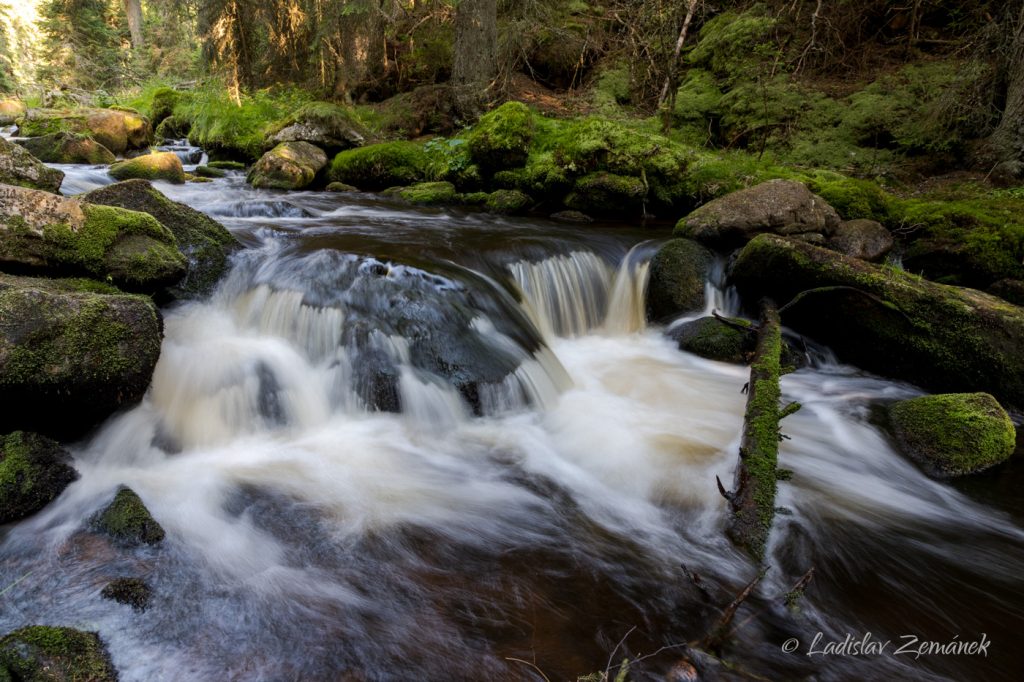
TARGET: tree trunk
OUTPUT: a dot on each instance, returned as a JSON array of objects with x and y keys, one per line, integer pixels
[
  {"x": 133, "y": 10},
  {"x": 1002, "y": 153},
  {"x": 475, "y": 62}
]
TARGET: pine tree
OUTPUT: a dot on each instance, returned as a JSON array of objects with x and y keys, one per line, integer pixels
[{"x": 81, "y": 46}]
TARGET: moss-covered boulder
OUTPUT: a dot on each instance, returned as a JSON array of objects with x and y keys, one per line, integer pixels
[
  {"x": 133, "y": 592},
  {"x": 173, "y": 128},
  {"x": 380, "y": 166},
  {"x": 205, "y": 243},
  {"x": 156, "y": 166},
  {"x": 607, "y": 193},
  {"x": 116, "y": 129},
  {"x": 127, "y": 521},
  {"x": 71, "y": 353},
  {"x": 210, "y": 172},
  {"x": 953, "y": 434},
  {"x": 715, "y": 339},
  {"x": 19, "y": 167},
  {"x": 340, "y": 187},
  {"x": 10, "y": 110},
  {"x": 227, "y": 165},
  {"x": 783, "y": 207},
  {"x": 888, "y": 321},
  {"x": 49, "y": 234},
  {"x": 501, "y": 139},
  {"x": 41, "y": 653},
  {"x": 289, "y": 165},
  {"x": 678, "y": 273},
  {"x": 68, "y": 148},
  {"x": 508, "y": 202},
  {"x": 33, "y": 472},
  {"x": 428, "y": 193},
  {"x": 862, "y": 238},
  {"x": 327, "y": 125}
]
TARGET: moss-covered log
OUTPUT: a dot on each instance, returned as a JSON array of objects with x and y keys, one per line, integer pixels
[{"x": 752, "y": 501}]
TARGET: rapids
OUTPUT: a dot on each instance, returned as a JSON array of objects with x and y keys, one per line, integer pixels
[{"x": 403, "y": 444}]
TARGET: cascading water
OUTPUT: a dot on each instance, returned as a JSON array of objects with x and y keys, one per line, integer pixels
[{"x": 401, "y": 444}]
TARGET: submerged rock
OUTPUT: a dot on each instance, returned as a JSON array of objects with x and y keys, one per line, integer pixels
[
  {"x": 117, "y": 130},
  {"x": 34, "y": 470},
  {"x": 49, "y": 234},
  {"x": 676, "y": 285},
  {"x": 864, "y": 239},
  {"x": 289, "y": 165},
  {"x": 68, "y": 148},
  {"x": 71, "y": 353},
  {"x": 954, "y": 434},
  {"x": 127, "y": 521},
  {"x": 781, "y": 207},
  {"x": 42, "y": 653},
  {"x": 889, "y": 321},
  {"x": 204, "y": 242},
  {"x": 133, "y": 592},
  {"x": 156, "y": 166},
  {"x": 19, "y": 167},
  {"x": 715, "y": 339}
]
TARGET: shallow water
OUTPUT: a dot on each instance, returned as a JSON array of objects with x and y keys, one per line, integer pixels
[{"x": 430, "y": 444}]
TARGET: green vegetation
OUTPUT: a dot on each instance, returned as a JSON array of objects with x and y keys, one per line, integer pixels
[
  {"x": 381, "y": 166},
  {"x": 501, "y": 139},
  {"x": 954, "y": 434},
  {"x": 47, "y": 653}
]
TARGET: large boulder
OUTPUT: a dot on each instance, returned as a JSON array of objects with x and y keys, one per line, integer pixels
[
  {"x": 676, "y": 284},
  {"x": 49, "y": 234},
  {"x": 889, "y": 321},
  {"x": 205, "y": 242},
  {"x": 68, "y": 148},
  {"x": 33, "y": 472},
  {"x": 864, "y": 239},
  {"x": 328, "y": 126},
  {"x": 41, "y": 653},
  {"x": 156, "y": 166},
  {"x": 781, "y": 207},
  {"x": 289, "y": 165},
  {"x": 127, "y": 521},
  {"x": 10, "y": 111},
  {"x": 954, "y": 434},
  {"x": 19, "y": 167},
  {"x": 117, "y": 130},
  {"x": 71, "y": 353}
]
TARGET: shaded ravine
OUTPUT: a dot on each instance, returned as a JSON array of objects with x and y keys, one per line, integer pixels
[{"x": 418, "y": 444}]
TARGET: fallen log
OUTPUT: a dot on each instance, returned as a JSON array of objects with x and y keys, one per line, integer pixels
[{"x": 752, "y": 500}]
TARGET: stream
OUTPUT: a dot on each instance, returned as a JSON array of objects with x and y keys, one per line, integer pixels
[{"x": 429, "y": 444}]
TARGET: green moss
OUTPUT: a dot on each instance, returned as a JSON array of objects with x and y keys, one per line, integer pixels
[
  {"x": 429, "y": 193},
  {"x": 34, "y": 470},
  {"x": 227, "y": 165},
  {"x": 508, "y": 201},
  {"x": 43, "y": 653},
  {"x": 607, "y": 193},
  {"x": 127, "y": 521},
  {"x": 156, "y": 166},
  {"x": 131, "y": 591},
  {"x": 380, "y": 166},
  {"x": 714, "y": 339},
  {"x": 502, "y": 137},
  {"x": 954, "y": 434},
  {"x": 209, "y": 172},
  {"x": 677, "y": 275}
]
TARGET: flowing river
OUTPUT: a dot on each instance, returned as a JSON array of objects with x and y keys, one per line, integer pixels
[{"x": 426, "y": 444}]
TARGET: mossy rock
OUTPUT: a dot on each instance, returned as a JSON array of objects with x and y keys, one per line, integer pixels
[
  {"x": 133, "y": 592},
  {"x": 205, "y": 243},
  {"x": 34, "y": 470},
  {"x": 715, "y": 339},
  {"x": 327, "y": 125},
  {"x": 173, "y": 128},
  {"x": 429, "y": 193},
  {"x": 607, "y": 193},
  {"x": 677, "y": 275},
  {"x": 227, "y": 165},
  {"x": 163, "y": 103},
  {"x": 42, "y": 653},
  {"x": 11, "y": 110},
  {"x": 888, "y": 321},
  {"x": 209, "y": 172},
  {"x": 117, "y": 130},
  {"x": 340, "y": 187},
  {"x": 862, "y": 238},
  {"x": 127, "y": 521},
  {"x": 156, "y": 166},
  {"x": 380, "y": 166},
  {"x": 953, "y": 434},
  {"x": 781, "y": 207},
  {"x": 19, "y": 167},
  {"x": 501, "y": 139},
  {"x": 75, "y": 348},
  {"x": 289, "y": 165},
  {"x": 1011, "y": 290},
  {"x": 68, "y": 148},
  {"x": 48, "y": 234},
  {"x": 541, "y": 177},
  {"x": 508, "y": 202}
]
